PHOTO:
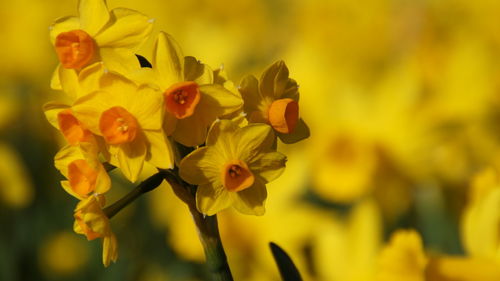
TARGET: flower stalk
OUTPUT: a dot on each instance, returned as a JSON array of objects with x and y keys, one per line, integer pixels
[
  {"x": 208, "y": 232},
  {"x": 207, "y": 226},
  {"x": 147, "y": 185}
]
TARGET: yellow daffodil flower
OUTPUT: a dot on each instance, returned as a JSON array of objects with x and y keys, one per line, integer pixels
[
  {"x": 63, "y": 254},
  {"x": 98, "y": 35},
  {"x": 16, "y": 187},
  {"x": 403, "y": 258},
  {"x": 91, "y": 221},
  {"x": 85, "y": 173},
  {"x": 480, "y": 231},
  {"x": 129, "y": 118},
  {"x": 61, "y": 116},
  {"x": 274, "y": 100},
  {"x": 192, "y": 99},
  {"x": 233, "y": 168}
]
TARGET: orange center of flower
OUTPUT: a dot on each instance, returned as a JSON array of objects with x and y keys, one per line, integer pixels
[
  {"x": 82, "y": 177},
  {"x": 181, "y": 99},
  {"x": 118, "y": 126},
  {"x": 283, "y": 115},
  {"x": 236, "y": 176},
  {"x": 73, "y": 131},
  {"x": 75, "y": 48}
]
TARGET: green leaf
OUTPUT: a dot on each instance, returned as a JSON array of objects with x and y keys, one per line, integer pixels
[{"x": 287, "y": 268}]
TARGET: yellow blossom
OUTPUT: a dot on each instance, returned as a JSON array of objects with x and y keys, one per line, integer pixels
[
  {"x": 192, "y": 98},
  {"x": 403, "y": 258},
  {"x": 16, "y": 188},
  {"x": 480, "y": 231},
  {"x": 85, "y": 173},
  {"x": 91, "y": 221},
  {"x": 129, "y": 118},
  {"x": 63, "y": 254},
  {"x": 233, "y": 168},
  {"x": 98, "y": 35},
  {"x": 274, "y": 100}
]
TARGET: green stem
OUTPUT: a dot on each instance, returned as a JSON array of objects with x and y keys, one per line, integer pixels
[
  {"x": 145, "y": 186},
  {"x": 208, "y": 232},
  {"x": 208, "y": 229}
]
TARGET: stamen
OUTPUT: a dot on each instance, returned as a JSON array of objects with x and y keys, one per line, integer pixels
[
  {"x": 237, "y": 176},
  {"x": 234, "y": 171}
]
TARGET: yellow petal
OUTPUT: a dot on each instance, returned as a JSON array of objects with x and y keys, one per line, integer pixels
[
  {"x": 201, "y": 166},
  {"x": 252, "y": 140},
  {"x": 122, "y": 61},
  {"x": 220, "y": 134},
  {"x": 87, "y": 109},
  {"x": 300, "y": 132},
  {"x": 291, "y": 90},
  {"x": 274, "y": 80},
  {"x": 51, "y": 110},
  {"x": 127, "y": 29},
  {"x": 192, "y": 131},
  {"x": 65, "y": 156},
  {"x": 269, "y": 166},
  {"x": 212, "y": 199},
  {"x": 217, "y": 101},
  {"x": 146, "y": 105},
  {"x": 249, "y": 89},
  {"x": 67, "y": 187},
  {"x": 119, "y": 90},
  {"x": 63, "y": 25},
  {"x": 160, "y": 153},
  {"x": 89, "y": 78},
  {"x": 198, "y": 72},
  {"x": 168, "y": 60},
  {"x": 109, "y": 249},
  {"x": 169, "y": 124},
  {"x": 130, "y": 157},
  {"x": 55, "y": 82},
  {"x": 251, "y": 201},
  {"x": 144, "y": 75},
  {"x": 69, "y": 82},
  {"x": 93, "y": 15}
]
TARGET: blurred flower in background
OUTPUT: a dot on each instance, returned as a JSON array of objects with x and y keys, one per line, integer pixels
[{"x": 398, "y": 180}]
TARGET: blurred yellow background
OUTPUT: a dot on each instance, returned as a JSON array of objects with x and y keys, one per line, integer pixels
[{"x": 403, "y": 101}]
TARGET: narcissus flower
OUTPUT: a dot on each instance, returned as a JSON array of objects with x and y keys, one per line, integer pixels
[
  {"x": 233, "y": 168},
  {"x": 129, "y": 118},
  {"x": 192, "y": 99},
  {"x": 91, "y": 221},
  {"x": 481, "y": 217},
  {"x": 98, "y": 35},
  {"x": 274, "y": 100},
  {"x": 403, "y": 258},
  {"x": 85, "y": 173}
]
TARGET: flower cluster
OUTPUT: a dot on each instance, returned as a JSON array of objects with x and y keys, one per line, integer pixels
[{"x": 119, "y": 114}]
